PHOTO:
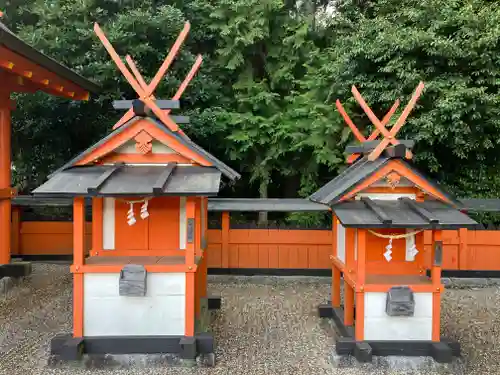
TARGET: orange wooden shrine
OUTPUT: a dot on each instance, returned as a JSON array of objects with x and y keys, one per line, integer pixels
[
  {"x": 24, "y": 69},
  {"x": 381, "y": 207},
  {"x": 143, "y": 289}
]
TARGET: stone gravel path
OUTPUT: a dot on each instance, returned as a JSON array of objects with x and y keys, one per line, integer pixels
[{"x": 266, "y": 326}]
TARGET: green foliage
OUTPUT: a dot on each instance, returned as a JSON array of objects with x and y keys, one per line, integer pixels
[
  {"x": 264, "y": 98},
  {"x": 47, "y": 130},
  {"x": 386, "y": 47}
]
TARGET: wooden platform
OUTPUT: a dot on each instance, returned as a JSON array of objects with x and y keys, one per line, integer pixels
[
  {"x": 398, "y": 280},
  {"x": 142, "y": 260}
]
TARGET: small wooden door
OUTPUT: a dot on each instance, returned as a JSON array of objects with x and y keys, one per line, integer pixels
[{"x": 159, "y": 231}]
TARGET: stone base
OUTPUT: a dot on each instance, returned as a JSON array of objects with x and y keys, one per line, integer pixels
[
  {"x": 15, "y": 269},
  {"x": 214, "y": 302},
  {"x": 442, "y": 351},
  {"x": 6, "y": 284},
  {"x": 399, "y": 364},
  {"x": 65, "y": 348},
  {"x": 131, "y": 362}
]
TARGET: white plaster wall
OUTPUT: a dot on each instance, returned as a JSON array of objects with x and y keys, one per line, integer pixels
[
  {"x": 380, "y": 326},
  {"x": 385, "y": 196},
  {"x": 160, "y": 312},
  {"x": 340, "y": 242},
  {"x": 182, "y": 223},
  {"x": 158, "y": 148},
  {"x": 108, "y": 224}
]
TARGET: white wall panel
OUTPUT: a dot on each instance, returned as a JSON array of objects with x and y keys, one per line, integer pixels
[
  {"x": 380, "y": 326},
  {"x": 341, "y": 242},
  {"x": 385, "y": 196},
  {"x": 108, "y": 224},
  {"x": 160, "y": 312}
]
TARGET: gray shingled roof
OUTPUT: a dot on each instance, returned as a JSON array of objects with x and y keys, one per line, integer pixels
[
  {"x": 347, "y": 180},
  {"x": 131, "y": 180},
  {"x": 12, "y": 42},
  {"x": 355, "y": 174},
  {"x": 257, "y": 204},
  {"x": 380, "y": 213},
  {"x": 226, "y": 171}
]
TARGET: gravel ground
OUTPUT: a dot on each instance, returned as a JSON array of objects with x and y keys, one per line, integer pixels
[{"x": 266, "y": 326}]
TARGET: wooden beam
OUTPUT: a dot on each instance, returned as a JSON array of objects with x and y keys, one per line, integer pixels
[
  {"x": 78, "y": 260},
  {"x": 379, "y": 213},
  {"x": 437, "y": 249},
  {"x": 335, "y": 271},
  {"x": 5, "y": 175},
  {"x": 7, "y": 193},
  {"x": 16, "y": 230},
  {"x": 162, "y": 104},
  {"x": 51, "y": 82},
  {"x": 160, "y": 184},
  {"x": 420, "y": 211},
  {"x": 145, "y": 95},
  {"x": 28, "y": 86},
  {"x": 94, "y": 188}
]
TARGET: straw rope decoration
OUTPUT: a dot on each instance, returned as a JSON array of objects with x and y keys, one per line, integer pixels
[
  {"x": 395, "y": 236},
  {"x": 130, "y": 213},
  {"x": 388, "y": 253}
]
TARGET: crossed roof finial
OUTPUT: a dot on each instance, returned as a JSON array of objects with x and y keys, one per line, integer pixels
[
  {"x": 389, "y": 136},
  {"x": 145, "y": 91}
]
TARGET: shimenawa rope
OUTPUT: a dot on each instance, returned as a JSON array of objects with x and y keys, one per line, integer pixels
[{"x": 395, "y": 236}]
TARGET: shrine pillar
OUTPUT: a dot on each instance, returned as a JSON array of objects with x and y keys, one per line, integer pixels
[{"x": 5, "y": 176}]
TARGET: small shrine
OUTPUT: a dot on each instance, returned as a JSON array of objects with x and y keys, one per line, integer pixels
[
  {"x": 143, "y": 286},
  {"x": 381, "y": 207}
]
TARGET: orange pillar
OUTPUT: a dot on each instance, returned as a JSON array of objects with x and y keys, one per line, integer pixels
[
  {"x": 350, "y": 260},
  {"x": 203, "y": 241},
  {"x": 198, "y": 252},
  {"x": 16, "y": 230},
  {"x": 348, "y": 305},
  {"x": 361, "y": 278},
  {"x": 78, "y": 259},
  {"x": 225, "y": 239},
  {"x": 5, "y": 176},
  {"x": 350, "y": 267},
  {"x": 335, "y": 271},
  {"x": 437, "y": 259},
  {"x": 190, "y": 262}
]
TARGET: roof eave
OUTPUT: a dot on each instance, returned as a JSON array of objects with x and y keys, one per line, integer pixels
[{"x": 12, "y": 42}]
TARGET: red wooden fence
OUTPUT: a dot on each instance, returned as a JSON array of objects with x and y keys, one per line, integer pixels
[{"x": 267, "y": 248}]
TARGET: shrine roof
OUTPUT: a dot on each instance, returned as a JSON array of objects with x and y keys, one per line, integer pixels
[
  {"x": 331, "y": 193},
  {"x": 140, "y": 180},
  {"x": 401, "y": 213},
  {"x": 226, "y": 170},
  {"x": 13, "y": 43},
  {"x": 367, "y": 147}
]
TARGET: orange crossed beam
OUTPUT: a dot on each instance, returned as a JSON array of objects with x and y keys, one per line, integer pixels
[
  {"x": 357, "y": 133},
  {"x": 142, "y": 82},
  {"x": 380, "y": 126},
  {"x": 389, "y": 136},
  {"x": 144, "y": 90}
]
